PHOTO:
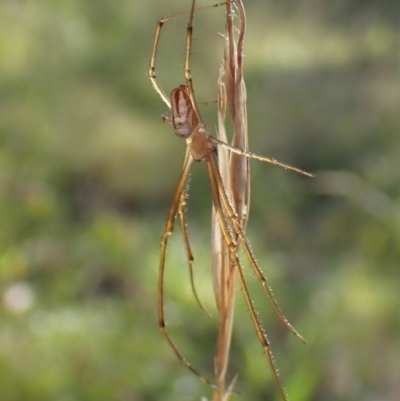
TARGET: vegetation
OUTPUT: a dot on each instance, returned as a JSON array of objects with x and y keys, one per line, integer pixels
[{"x": 87, "y": 172}]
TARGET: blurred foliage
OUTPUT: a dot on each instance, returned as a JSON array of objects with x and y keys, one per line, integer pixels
[{"x": 87, "y": 172}]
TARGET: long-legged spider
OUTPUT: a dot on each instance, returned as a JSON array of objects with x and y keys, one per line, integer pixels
[{"x": 187, "y": 123}]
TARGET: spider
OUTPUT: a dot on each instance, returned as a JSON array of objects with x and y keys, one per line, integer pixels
[{"x": 187, "y": 123}]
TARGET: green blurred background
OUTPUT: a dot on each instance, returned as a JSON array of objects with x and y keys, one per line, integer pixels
[{"x": 87, "y": 172}]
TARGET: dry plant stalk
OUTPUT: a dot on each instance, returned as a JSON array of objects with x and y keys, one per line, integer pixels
[{"x": 235, "y": 173}]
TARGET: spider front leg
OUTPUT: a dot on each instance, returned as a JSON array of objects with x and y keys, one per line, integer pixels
[
  {"x": 189, "y": 254},
  {"x": 239, "y": 232},
  {"x": 180, "y": 188},
  {"x": 226, "y": 223}
]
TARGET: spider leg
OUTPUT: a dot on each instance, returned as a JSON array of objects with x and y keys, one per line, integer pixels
[
  {"x": 188, "y": 75},
  {"x": 239, "y": 232},
  {"x": 261, "y": 158},
  {"x": 180, "y": 188},
  {"x": 189, "y": 254},
  {"x": 152, "y": 67},
  {"x": 215, "y": 181}
]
